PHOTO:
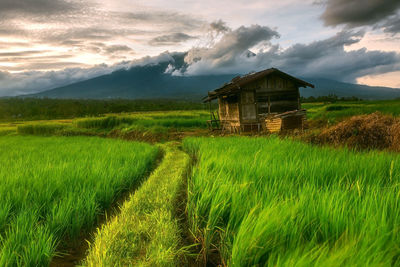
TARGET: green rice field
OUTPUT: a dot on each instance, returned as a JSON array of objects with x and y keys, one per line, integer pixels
[
  {"x": 237, "y": 201},
  {"x": 277, "y": 202},
  {"x": 53, "y": 189}
]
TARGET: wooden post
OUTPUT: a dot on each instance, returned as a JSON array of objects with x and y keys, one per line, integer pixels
[
  {"x": 209, "y": 105},
  {"x": 298, "y": 99},
  {"x": 269, "y": 105}
]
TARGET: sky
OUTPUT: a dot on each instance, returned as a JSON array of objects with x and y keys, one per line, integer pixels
[{"x": 50, "y": 43}]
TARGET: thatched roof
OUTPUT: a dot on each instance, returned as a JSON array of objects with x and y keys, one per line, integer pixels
[{"x": 239, "y": 81}]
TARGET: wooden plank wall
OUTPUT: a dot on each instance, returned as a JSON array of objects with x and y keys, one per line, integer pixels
[
  {"x": 282, "y": 93},
  {"x": 229, "y": 114}
]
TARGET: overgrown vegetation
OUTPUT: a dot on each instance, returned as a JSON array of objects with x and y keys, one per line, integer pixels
[
  {"x": 146, "y": 232},
  {"x": 54, "y": 188},
  {"x": 276, "y": 202}
]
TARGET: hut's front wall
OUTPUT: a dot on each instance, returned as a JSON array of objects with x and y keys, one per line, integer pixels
[{"x": 273, "y": 94}]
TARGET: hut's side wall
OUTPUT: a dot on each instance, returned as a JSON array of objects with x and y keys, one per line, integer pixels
[{"x": 229, "y": 113}]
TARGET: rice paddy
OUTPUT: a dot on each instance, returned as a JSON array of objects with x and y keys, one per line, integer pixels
[
  {"x": 251, "y": 201},
  {"x": 53, "y": 189},
  {"x": 274, "y": 202}
]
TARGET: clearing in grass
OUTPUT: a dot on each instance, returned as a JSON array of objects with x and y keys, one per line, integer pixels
[{"x": 146, "y": 232}]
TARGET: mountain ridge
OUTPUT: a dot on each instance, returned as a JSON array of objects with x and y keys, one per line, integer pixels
[{"x": 152, "y": 81}]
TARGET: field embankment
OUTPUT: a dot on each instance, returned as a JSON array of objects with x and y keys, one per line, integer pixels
[
  {"x": 54, "y": 188},
  {"x": 147, "y": 231},
  {"x": 277, "y": 202}
]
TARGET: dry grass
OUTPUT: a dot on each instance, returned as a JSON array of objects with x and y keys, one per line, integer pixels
[{"x": 372, "y": 131}]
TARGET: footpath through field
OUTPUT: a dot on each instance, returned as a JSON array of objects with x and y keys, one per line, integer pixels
[{"x": 147, "y": 231}]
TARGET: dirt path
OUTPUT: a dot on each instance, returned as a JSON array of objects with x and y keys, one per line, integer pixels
[{"x": 148, "y": 231}]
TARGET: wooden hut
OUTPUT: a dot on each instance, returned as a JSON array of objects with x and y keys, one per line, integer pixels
[{"x": 268, "y": 100}]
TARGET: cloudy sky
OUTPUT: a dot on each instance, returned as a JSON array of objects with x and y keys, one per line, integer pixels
[{"x": 49, "y": 43}]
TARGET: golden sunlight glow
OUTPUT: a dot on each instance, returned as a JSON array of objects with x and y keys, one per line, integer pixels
[{"x": 390, "y": 79}]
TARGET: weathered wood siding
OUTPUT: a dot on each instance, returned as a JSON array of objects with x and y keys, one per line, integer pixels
[
  {"x": 273, "y": 125},
  {"x": 248, "y": 106},
  {"x": 278, "y": 93},
  {"x": 229, "y": 113}
]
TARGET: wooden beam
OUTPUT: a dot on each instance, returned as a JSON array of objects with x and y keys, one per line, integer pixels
[{"x": 269, "y": 105}]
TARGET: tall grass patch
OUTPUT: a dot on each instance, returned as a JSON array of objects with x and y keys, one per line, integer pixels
[
  {"x": 43, "y": 129},
  {"x": 54, "y": 188},
  {"x": 172, "y": 120},
  {"x": 268, "y": 201}
]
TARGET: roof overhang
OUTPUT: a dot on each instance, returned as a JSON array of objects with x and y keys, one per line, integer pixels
[{"x": 236, "y": 83}]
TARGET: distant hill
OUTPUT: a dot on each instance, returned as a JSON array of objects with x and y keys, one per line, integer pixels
[
  {"x": 325, "y": 87},
  {"x": 151, "y": 81}
]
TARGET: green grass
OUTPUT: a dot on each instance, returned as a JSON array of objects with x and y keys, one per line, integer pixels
[
  {"x": 7, "y": 130},
  {"x": 171, "y": 120},
  {"x": 152, "y": 127},
  {"x": 146, "y": 232},
  {"x": 52, "y": 189},
  {"x": 268, "y": 201},
  {"x": 25, "y": 109},
  {"x": 44, "y": 129},
  {"x": 333, "y": 113}
]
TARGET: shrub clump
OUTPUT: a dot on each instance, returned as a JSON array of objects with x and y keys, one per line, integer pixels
[{"x": 372, "y": 131}]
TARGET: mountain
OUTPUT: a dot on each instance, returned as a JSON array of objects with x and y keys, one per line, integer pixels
[
  {"x": 140, "y": 82},
  {"x": 152, "y": 81}
]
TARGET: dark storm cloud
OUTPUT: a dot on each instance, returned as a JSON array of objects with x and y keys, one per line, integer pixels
[
  {"x": 227, "y": 53},
  {"x": 117, "y": 48},
  {"x": 170, "y": 39},
  {"x": 392, "y": 25},
  {"x": 329, "y": 59},
  {"x": 219, "y": 26},
  {"x": 362, "y": 13},
  {"x": 326, "y": 58}
]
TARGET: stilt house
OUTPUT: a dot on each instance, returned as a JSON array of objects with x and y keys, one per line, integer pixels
[{"x": 268, "y": 100}]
